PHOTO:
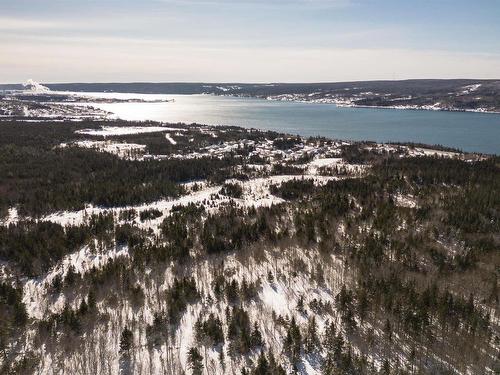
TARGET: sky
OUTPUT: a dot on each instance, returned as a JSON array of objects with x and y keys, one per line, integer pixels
[{"x": 247, "y": 40}]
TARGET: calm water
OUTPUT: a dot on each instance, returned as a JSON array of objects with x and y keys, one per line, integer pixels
[{"x": 467, "y": 131}]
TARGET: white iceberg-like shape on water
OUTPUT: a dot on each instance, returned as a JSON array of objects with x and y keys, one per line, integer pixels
[{"x": 35, "y": 87}]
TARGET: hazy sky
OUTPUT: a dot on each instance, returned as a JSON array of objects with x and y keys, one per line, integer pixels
[{"x": 248, "y": 40}]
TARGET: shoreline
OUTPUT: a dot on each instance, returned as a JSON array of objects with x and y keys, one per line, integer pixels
[
  {"x": 343, "y": 104},
  {"x": 402, "y": 108}
]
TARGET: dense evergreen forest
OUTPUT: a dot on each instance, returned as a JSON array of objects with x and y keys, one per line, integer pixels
[{"x": 393, "y": 271}]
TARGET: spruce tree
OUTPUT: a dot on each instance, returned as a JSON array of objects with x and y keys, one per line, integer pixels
[
  {"x": 195, "y": 361},
  {"x": 126, "y": 340},
  {"x": 311, "y": 339},
  {"x": 262, "y": 365},
  {"x": 256, "y": 336}
]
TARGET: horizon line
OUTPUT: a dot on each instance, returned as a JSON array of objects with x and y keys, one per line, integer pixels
[{"x": 252, "y": 83}]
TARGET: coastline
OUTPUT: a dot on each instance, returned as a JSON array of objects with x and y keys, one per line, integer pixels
[
  {"x": 423, "y": 108},
  {"x": 345, "y": 104}
]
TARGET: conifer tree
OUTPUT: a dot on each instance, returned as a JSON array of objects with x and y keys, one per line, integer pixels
[
  {"x": 293, "y": 341},
  {"x": 262, "y": 365},
  {"x": 311, "y": 340},
  {"x": 256, "y": 336},
  {"x": 195, "y": 361},
  {"x": 126, "y": 341}
]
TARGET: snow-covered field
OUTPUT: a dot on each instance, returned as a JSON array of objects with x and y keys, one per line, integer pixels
[
  {"x": 126, "y": 130},
  {"x": 124, "y": 150}
]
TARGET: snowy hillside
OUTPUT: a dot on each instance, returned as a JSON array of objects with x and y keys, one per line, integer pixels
[{"x": 148, "y": 248}]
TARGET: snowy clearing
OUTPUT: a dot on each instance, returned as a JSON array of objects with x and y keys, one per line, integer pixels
[
  {"x": 121, "y": 149},
  {"x": 126, "y": 130}
]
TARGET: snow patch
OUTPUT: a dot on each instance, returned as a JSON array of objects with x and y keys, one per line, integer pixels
[
  {"x": 124, "y": 150},
  {"x": 126, "y": 130},
  {"x": 11, "y": 218},
  {"x": 170, "y": 139},
  {"x": 408, "y": 201}
]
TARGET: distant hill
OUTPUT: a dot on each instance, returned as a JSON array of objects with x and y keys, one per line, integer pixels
[
  {"x": 436, "y": 94},
  {"x": 407, "y": 86}
]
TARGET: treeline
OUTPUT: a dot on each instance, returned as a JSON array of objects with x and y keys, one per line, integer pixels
[
  {"x": 430, "y": 171},
  {"x": 32, "y": 136},
  {"x": 34, "y": 247},
  {"x": 38, "y": 181},
  {"x": 39, "y": 177},
  {"x": 233, "y": 228},
  {"x": 293, "y": 189},
  {"x": 418, "y": 311},
  {"x": 232, "y": 190},
  {"x": 286, "y": 143}
]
